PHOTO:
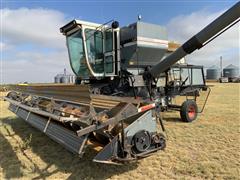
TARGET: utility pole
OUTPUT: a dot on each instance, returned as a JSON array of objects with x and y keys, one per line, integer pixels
[{"x": 221, "y": 70}]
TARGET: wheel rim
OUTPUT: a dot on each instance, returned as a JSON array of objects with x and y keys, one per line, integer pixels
[{"x": 191, "y": 112}]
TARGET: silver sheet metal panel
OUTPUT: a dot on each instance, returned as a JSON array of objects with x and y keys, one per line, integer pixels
[
  {"x": 143, "y": 44},
  {"x": 52, "y": 129},
  {"x": 144, "y": 122}
]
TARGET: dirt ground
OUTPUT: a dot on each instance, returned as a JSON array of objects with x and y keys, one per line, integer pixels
[{"x": 205, "y": 149}]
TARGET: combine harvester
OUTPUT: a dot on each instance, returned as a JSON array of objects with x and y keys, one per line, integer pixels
[{"x": 126, "y": 77}]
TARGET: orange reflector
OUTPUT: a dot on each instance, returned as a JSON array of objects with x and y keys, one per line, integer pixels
[{"x": 147, "y": 107}]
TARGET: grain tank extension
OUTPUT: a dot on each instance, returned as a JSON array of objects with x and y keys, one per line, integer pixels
[{"x": 126, "y": 78}]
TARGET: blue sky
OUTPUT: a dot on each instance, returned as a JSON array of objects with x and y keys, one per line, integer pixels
[
  {"x": 33, "y": 49},
  {"x": 158, "y": 12}
]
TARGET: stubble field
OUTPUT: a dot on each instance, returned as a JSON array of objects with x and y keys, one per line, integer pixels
[{"x": 205, "y": 149}]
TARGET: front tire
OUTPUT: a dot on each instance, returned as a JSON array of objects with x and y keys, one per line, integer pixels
[{"x": 189, "y": 111}]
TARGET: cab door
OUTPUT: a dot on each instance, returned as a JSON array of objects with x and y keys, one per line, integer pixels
[{"x": 109, "y": 53}]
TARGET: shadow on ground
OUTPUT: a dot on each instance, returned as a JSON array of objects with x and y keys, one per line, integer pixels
[
  {"x": 173, "y": 119},
  {"x": 8, "y": 160},
  {"x": 53, "y": 155}
]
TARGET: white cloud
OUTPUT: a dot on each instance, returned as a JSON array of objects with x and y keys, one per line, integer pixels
[
  {"x": 34, "y": 67},
  {"x": 39, "y": 26},
  {"x": 4, "y": 46},
  {"x": 38, "y": 50},
  {"x": 183, "y": 27}
]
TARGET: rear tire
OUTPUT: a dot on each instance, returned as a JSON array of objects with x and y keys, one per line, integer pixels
[{"x": 189, "y": 111}]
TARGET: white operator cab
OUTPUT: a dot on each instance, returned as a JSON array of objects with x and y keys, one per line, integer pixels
[{"x": 93, "y": 49}]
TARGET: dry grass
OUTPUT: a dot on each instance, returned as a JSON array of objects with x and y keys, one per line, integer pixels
[{"x": 205, "y": 149}]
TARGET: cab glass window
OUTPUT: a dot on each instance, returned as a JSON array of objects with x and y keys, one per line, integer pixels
[
  {"x": 108, "y": 41},
  {"x": 186, "y": 76},
  {"x": 77, "y": 54},
  {"x": 197, "y": 77},
  {"x": 94, "y": 43}
]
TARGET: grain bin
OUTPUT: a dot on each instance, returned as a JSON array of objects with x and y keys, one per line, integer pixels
[
  {"x": 231, "y": 71},
  {"x": 72, "y": 78},
  {"x": 57, "y": 79},
  {"x": 65, "y": 79},
  {"x": 213, "y": 72}
]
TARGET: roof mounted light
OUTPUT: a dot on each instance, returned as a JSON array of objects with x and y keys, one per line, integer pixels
[{"x": 68, "y": 27}]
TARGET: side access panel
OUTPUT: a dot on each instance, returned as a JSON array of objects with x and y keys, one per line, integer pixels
[{"x": 52, "y": 129}]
